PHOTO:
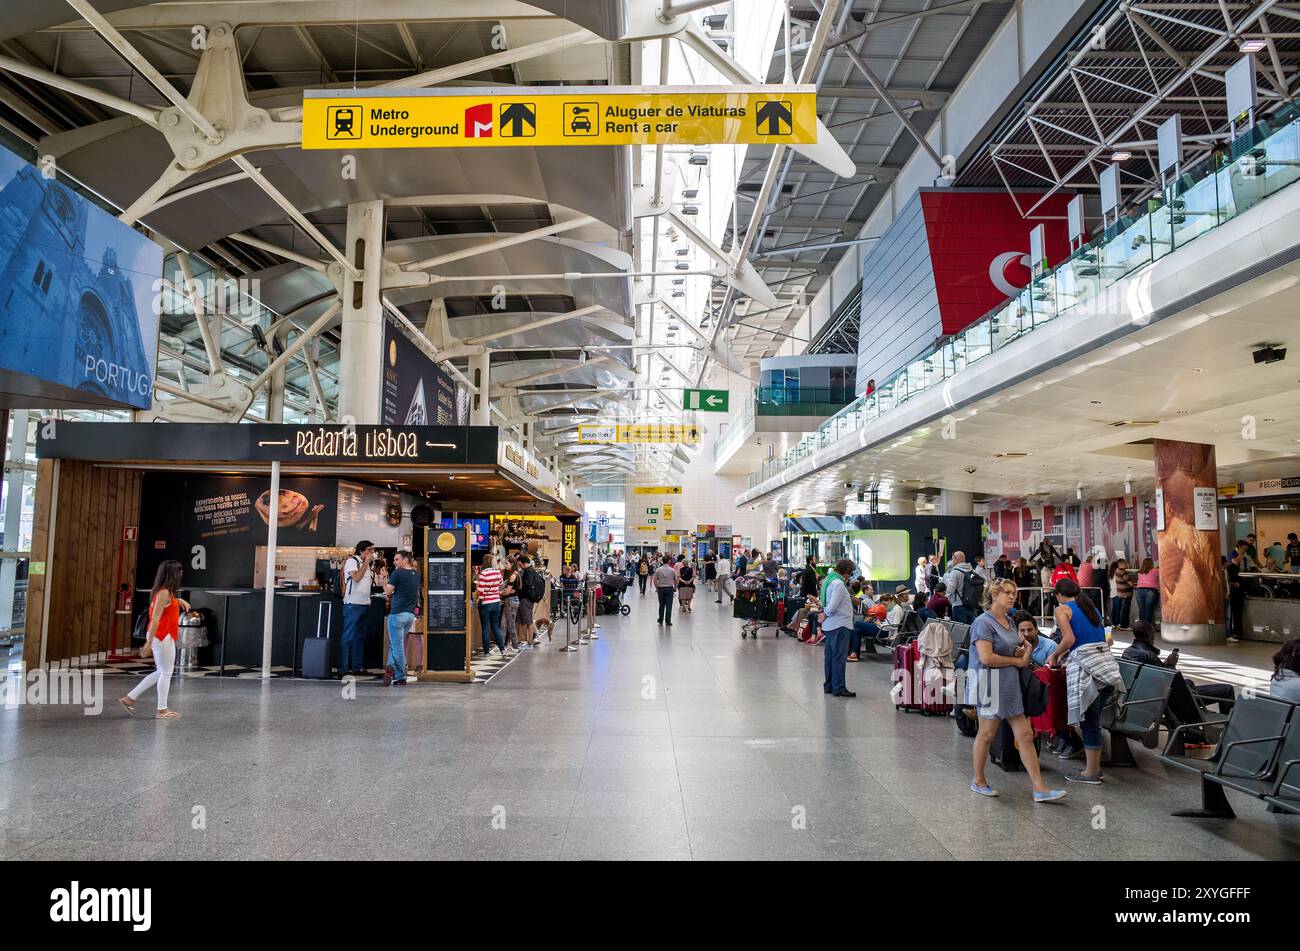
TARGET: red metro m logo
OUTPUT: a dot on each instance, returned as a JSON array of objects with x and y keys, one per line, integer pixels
[{"x": 478, "y": 121}]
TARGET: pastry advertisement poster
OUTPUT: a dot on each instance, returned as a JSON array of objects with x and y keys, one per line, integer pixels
[{"x": 213, "y": 524}]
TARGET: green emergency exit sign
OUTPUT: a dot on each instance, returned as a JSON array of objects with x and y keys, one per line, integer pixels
[{"x": 706, "y": 401}]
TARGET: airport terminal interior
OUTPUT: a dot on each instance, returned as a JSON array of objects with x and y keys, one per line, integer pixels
[{"x": 650, "y": 430}]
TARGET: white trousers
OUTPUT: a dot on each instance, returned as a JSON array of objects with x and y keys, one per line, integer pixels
[{"x": 164, "y": 656}]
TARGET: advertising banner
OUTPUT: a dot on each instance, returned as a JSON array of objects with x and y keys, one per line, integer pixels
[
  {"x": 415, "y": 391},
  {"x": 78, "y": 319},
  {"x": 213, "y": 524}
]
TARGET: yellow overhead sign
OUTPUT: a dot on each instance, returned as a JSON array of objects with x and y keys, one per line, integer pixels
[
  {"x": 640, "y": 433},
  {"x": 657, "y": 490},
  {"x": 381, "y": 118}
]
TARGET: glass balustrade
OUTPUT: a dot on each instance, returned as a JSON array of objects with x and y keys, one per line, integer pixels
[{"x": 1214, "y": 191}]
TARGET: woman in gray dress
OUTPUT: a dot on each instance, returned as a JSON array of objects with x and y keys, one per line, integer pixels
[{"x": 998, "y": 652}]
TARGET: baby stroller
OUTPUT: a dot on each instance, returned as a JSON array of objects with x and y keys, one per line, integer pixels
[{"x": 610, "y": 601}]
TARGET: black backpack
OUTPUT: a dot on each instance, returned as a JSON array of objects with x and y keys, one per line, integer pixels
[
  {"x": 534, "y": 587},
  {"x": 972, "y": 589}
]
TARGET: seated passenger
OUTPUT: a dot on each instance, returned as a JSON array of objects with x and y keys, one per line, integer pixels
[
  {"x": 1040, "y": 647},
  {"x": 938, "y": 604},
  {"x": 902, "y": 602},
  {"x": 1285, "y": 683},
  {"x": 1144, "y": 651}
]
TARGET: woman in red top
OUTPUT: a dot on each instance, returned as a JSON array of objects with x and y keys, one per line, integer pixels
[{"x": 165, "y": 606}]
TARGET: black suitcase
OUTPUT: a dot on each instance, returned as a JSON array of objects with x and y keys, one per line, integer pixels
[
  {"x": 316, "y": 653},
  {"x": 1004, "y": 751}
]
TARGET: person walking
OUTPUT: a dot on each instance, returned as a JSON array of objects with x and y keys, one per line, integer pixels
[
  {"x": 532, "y": 588},
  {"x": 403, "y": 587},
  {"x": 1121, "y": 601},
  {"x": 710, "y": 570},
  {"x": 643, "y": 572},
  {"x": 510, "y": 582},
  {"x": 358, "y": 579},
  {"x": 836, "y": 627},
  {"x": 1092, "y": 672},
  {"x": 958, "y": 581},
  {"x": 165, "y": 607},
  {"x": 685, "y": 586},
  {"x": 997, "y": 655},
  {"x": 1148, "y": 591},
  {"x": 665, "y": 579},
  {"x": 487, "y": 594}
]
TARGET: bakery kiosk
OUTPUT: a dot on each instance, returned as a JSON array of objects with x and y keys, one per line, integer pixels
[{"x": 262, "y": 518}]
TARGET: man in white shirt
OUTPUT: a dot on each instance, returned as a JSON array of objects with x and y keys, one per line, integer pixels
[{"x": 358, "y": 578}]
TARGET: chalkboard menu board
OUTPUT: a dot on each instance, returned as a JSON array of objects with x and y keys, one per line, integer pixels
[
  {"x": 446, "y": 586},
  {"x": 446, "y": 579}
]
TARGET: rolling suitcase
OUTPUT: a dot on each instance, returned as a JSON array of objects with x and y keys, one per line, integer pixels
[
  {"x": 316, "y": 650},
  {"x": 910, "y": 690},
  {"x": 1005, "y": 752}
]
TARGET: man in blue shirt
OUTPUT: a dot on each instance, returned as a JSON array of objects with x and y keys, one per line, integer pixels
[{"x": 404, "y": 588}]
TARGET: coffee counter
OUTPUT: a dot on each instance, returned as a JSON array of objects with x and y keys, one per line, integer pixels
[{"x": 235, "y": 616}]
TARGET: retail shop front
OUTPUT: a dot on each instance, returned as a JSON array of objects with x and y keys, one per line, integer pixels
[{"x": 240, "y": 504}]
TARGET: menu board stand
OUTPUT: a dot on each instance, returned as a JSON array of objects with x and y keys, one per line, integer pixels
[{"x": 445, "y": 597}]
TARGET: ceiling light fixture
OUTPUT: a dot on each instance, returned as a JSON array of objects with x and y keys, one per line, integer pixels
[
  {"x": 1252, "y": 46},
  {"x": 1123, "y": 155}
]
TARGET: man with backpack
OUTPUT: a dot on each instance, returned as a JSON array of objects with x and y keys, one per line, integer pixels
[
  {"x": 965, "y": 587},
  {"x": 532, "y": 588}
]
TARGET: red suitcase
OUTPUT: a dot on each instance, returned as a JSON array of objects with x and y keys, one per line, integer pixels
[
  {"x": 910, "y": 691},
  {"x": 1054, "y": 717}
]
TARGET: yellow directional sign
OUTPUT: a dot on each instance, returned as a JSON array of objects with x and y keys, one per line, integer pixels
[
  {"x": 640, "y": 433},
  {"x": 657, "y": 490},
  {"x": 668, "y": 512},
  {"x": 381, "y": 118}
]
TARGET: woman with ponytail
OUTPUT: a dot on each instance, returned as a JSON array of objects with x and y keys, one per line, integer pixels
[{"x": 1092, "y": 673}]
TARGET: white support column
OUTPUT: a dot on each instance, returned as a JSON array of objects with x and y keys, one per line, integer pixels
[
  {"x": 268, "y": 607},
  {"x": 952, "y": 502},
  {"x": 361, "y": 356},
  {"x": 480, "y": 403},
  {"x": 902, "y": 503}
]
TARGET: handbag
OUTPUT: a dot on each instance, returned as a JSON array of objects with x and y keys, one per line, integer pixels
[{"x": 1033, "y": 693}]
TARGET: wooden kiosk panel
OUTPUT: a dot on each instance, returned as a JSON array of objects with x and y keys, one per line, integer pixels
[{"x": 447, "y": 555}]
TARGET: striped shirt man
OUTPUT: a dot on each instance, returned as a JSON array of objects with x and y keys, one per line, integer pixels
[{"x": 489, "y": 586}]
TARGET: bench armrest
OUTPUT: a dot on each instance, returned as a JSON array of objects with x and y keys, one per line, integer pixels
[
  {"x": 1283, "y": 770},
  {"x": 1169, "y": 744},
  {"x": 1227, "y": 750}
]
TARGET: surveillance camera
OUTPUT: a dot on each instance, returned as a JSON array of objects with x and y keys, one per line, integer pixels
[
  {"x": 848, "y": 485},
  {"x": 969, "y": 470},
  {"x": 1269, "y": 354}
]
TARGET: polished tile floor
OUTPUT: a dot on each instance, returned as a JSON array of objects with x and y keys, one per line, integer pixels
[{"x": 693, "y": 744}]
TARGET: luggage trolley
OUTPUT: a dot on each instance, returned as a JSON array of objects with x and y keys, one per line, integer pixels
[{"x": 756, "y": 604}]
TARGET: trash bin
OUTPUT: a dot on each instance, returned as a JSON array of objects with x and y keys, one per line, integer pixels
[{"x": 193, "y": 634}]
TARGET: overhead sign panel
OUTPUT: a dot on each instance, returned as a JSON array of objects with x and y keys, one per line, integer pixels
[
  {"x": 640, "y": 433},
  {"x": 541, "y": 116},
  {"x": 657, "y": 490},
  {"x": 706, "y": 401}
]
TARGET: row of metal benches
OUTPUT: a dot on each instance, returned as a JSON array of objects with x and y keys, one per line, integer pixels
[{"x": 1258, "y": 748}]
